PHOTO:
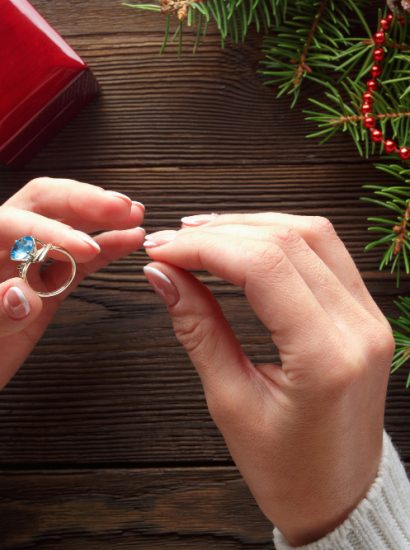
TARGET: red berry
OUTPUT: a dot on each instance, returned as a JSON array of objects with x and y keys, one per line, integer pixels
[
  {"x": 389, "y": 17},
  {"x": 378, "y": 37},
  {"x": 376, "y": 134},
  {"x": 384, "y": 24},
  {"x": 376, "y": 71},
  {"x": 369, "y": 122},
  {"x": 389, "y": 146},
  {"x": 366, "y": 108},
  {"x": 378, "y": 54},
  {"x": 404, "y": 153},
  {"x": 371, "y": 85},
  {"x": 367, "y": 97}
]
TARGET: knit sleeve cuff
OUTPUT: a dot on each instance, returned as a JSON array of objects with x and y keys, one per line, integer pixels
[{"x": 381, "y": 520}]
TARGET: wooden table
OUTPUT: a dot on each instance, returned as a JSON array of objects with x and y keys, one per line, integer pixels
[{"x": 105, "y": 438}]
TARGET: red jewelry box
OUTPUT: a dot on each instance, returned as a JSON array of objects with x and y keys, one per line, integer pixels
[{"x": 43, "y": 82}]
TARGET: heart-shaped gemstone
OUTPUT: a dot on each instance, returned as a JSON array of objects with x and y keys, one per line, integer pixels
[{"x": 23, "y": 249}]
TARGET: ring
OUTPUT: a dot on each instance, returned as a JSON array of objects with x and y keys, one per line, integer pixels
[{"x": 25, "y": 251}]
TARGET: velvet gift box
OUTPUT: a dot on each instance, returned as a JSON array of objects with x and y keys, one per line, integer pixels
[{"x": 43, "y": 82}]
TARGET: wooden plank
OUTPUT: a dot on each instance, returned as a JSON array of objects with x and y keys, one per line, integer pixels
[
  {"x": 166, "y": 509},
  {"x": 206, "y": 109},
  {"x": 193, "y": 509}
]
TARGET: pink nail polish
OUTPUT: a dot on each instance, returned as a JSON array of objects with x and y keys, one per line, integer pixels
[
  {"x": 161, "y": 237},
  {"x": 198, "y": 219},
  {"x": 15, "y": 303},
  {"x": 162, "y": 285}
]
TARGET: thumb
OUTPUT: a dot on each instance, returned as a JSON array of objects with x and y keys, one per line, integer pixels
[
  {"x": 19, "y": 306},
  {"x": 201, "y": 328}
]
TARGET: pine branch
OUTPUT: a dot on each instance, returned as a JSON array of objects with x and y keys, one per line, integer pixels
[
  {"x": 395, "y": 227},
  {"x": 313, "y": 37},
  {"x": 339, "y": 108},
  {"x": 233, "y": 18},
  {"x": 303, "y": 65},
  {"x": 401, "y": 333},
  {"x": 359, "y": 118}
]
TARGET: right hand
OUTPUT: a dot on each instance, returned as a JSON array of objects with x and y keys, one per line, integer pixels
[
  {"x": 56, "y": 211},
  {"x": 306, "y": 434}
]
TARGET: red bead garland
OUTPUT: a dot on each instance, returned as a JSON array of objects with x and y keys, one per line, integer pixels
[
  {"x": 376, "y": 135},
  {"x": 369, "y": 120},
  {"x": 404, "y": 153},
  {"x": 378, "y": 54}
]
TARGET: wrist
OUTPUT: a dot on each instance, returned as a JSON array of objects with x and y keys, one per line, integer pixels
[
  {"x": 327, "y": 505},
  {"x": 381, "y": 519}
]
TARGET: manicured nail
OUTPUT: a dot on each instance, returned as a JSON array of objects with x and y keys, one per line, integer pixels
[
  {"x": 139, "y": 205},
  {"x": 120, "y": 196},
  {"x": 162, "y": 285},
  {"x": 15, "y": 303},
  {"x": 161, "y": 237},
  {"x": 198, "y": 219},
  {"x": 87, "y": 239}
]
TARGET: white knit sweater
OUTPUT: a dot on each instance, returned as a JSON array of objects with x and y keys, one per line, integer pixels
[{"x": 381, "y": 521}]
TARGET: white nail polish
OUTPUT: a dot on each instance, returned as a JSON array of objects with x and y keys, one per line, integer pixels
[
  {"x": 198, "y": 219},
  {"x": 120, "y": 196},
  {"x": 16, "y": 303},
  {"x": 89, "y": 240},
  {"x": 149, "y": 244}
]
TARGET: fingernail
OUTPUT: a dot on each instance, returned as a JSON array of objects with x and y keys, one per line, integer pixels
[
  {"x": 162, "y": 285},
  {"x": 15, "y": 303},
  {"x": 87, "y": 239},
  {"x": 139, "y": 205},
  {"x": 120, "y": 196},
  {"x": 198, "y": 219},
  {"x": 161, "y": 237}
]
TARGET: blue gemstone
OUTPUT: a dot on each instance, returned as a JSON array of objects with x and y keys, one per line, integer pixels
[{"x": 22, "y": 249}]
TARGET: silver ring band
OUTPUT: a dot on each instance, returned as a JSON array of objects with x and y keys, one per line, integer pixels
[{"x": 26, "y": 249}]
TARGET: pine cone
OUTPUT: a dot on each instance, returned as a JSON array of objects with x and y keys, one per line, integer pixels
[
  {"x": 405, "y": 4},
  {"x": 397, "y": 5}
]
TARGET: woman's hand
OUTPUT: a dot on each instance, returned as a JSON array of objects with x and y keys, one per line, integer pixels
[
  {"x": 60, "y": 212},
  {"x": 306, "y": 434}
]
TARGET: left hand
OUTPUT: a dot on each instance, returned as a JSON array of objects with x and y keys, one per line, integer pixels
[{"x": 61, "y": 212}]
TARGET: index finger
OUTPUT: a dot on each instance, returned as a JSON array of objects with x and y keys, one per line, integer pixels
[
  {"x": 85, "y": 206},
  {"x": 320, "y": 235}
]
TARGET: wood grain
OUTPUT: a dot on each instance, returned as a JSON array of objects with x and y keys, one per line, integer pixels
[
  {"x": 209, "y": 109},
  {"x": 191, "y": 508}
]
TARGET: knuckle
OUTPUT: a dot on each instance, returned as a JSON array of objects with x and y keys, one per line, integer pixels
[
  {"x": 37, "y": 183},
  {"x": 192, "y": 331},
  {"x": 268, "y": 259},
  {"x": 380, "y": 344},
  {"x": 286, "y": 235},
  {"x": 321, "y": 224}
]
